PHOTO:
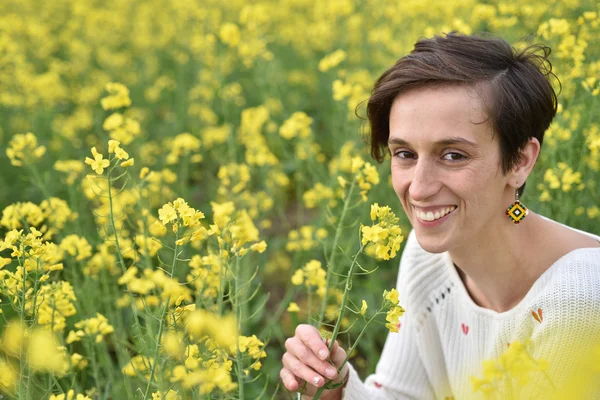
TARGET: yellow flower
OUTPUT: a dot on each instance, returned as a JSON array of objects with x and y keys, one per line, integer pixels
[
  {"x": 230, "y": 34},
  {"x": 167, "y": 214},
  {"x": 259, "y": 247},
  {"x": 363, "y": 308},
  {"x": 392, "y": 296},
  {"x": 44, "y": 354},
  {"x": 112, "y": 146},
  {"x": 98, "y": 163},
  {"x": 357, "y": 164},
  {"x": 298, "y": 277},
  {"x": 392, "y": 317},
  {"x": 23, "y": 147},
  {"x": 144, "y": 172},
  {"x": 127, "y": 163},
  {"x": 332, "y": 60},
  {"x": 373, "y": 234},
  {"x": 293, "y": 307},
  {"x": 118, "y": 96},
  {"x": 121, "y": 154}
]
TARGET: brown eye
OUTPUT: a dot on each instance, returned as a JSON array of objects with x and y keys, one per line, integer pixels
[
  {"x": 404, "y": 155},
  {"x": 453, "y": 156}
]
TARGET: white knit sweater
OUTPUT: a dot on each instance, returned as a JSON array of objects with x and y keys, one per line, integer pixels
[{"x": 444, "y": 336}]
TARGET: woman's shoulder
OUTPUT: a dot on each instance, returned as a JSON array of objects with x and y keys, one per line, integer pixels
[{"x": 575, "y": 277}]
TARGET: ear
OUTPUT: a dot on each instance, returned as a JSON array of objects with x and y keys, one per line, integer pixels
[{"x": 521, "y": 170}]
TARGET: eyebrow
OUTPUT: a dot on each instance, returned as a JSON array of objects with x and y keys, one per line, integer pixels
[{"x": 444, "y": 142}]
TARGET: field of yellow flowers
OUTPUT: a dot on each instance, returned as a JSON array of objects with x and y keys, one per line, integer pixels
[{"x": 182, "y": 182}]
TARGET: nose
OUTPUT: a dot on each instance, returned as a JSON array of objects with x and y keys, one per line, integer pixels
[{"x": 425, "y": 182}]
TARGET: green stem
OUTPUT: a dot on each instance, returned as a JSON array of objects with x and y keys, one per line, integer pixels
[
  {"x": 22, "y": 364},
  {"x": 161, "y": 325},
  {"x": 95, "y": 368},
  {"x": 239, "y": 316},
  {"x": 338, "y": 323},
  {"x": 331, "y": 259},
  {"x": 39, "y": 183}
]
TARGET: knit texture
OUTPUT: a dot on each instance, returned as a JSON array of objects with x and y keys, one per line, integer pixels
[{"x": 445, "y": 336}]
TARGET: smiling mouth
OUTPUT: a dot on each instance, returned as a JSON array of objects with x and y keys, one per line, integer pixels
[{"x": 434, "y": 215}]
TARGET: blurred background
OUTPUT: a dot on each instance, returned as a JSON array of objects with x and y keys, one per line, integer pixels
[{"x": 258, "y": 103}]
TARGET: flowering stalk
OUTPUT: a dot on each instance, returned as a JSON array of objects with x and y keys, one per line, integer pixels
[
  {"x": 162, "y": 323},
  {"x": 338, "y": 323},
  {"x": 238, "y": 313},
  {"x": 331, "y": 259}
]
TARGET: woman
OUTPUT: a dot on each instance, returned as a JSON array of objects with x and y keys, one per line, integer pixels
[{"x": 463, "y": 118}]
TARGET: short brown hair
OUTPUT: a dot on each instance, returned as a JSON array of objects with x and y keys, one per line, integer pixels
[{"x": 520, "y": 100}]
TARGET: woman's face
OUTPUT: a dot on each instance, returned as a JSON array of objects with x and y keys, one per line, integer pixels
[{"x": 446, "y": 167}]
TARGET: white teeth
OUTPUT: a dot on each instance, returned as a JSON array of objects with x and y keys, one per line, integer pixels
[{"x": 431, "y": 216}]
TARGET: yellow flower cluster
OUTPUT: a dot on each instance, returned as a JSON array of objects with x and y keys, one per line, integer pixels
[
  {"x": 69, "y": 396},
  {"x": 49, "y": 217},
  {"x": 170, "y": 395},
  {"x": 235, "y": 228},
  {"x": 72, "y": 168},
  {"x": 395, "y": 311},
  {"x": 318, "y": 194},
  {"x": 179, "y": 213},
  {"x": 332, "y": 60},
  {"x": 366, "y": 176},
  {"x": 99, "y": 163},
  {"x": 139, "y": 365},
  {"x": 563, "y": 178},
  {"x": 23, "y": 148},
  {"x": 152, "y": 287},
  {"x": 233, "y": 179},
  {"x": 55, "y": 302},
  {"x": 382, "y": 239},
  {"x": 118, "y": 96},
  {"x": 206, "y": 274},
  {"x": 222, "y": 330},
  {"x": 39, "y": 348},
  {"x": 96, "y": 327},
  {"x": 257, "y": 151},
  {"x": 76, "y": 246},
  {"x": 297, "y": 125},
  {"x": 184, "y": 145},
  {"x": 509, "y": 372},
  {"x": 311, "y": 275},
  {"x": 253, "y": 347},
  {"x": 305, "y": 238},
  {"x": 121, "y": 128}
]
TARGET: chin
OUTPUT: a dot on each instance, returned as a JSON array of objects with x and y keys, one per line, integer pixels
[{"x": 431, "y": 244}]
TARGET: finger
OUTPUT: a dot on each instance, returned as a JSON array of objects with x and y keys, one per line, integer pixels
[
  {"x": 338, "y": 355},
  {"x": 335, "y": 344},
  {"x": 312, "y": 339},
  {"x": 302, "y": 371},
  {"x": 289, "y": 380},
  {"x": 307, "y": 357}
]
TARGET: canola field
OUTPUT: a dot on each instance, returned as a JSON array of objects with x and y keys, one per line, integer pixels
[{"x": 183, "y": 182}]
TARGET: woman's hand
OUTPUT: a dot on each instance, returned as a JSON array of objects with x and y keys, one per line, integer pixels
[{"x": 306, "y": 360}]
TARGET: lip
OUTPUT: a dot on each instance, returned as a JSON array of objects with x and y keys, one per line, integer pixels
[{"x": 432, "y": 209}]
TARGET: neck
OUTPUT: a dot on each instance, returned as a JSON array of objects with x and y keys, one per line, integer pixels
[{"x": 499, "y": 276}]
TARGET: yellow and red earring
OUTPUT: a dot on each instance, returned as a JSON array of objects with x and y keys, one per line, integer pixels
[{"x": 517, "y": 211}]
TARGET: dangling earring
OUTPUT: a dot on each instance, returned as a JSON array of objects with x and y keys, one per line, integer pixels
[{"x": 517, "y": 211}]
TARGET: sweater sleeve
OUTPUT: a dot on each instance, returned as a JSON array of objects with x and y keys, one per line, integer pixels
[{"x": 400, "y": 373}]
